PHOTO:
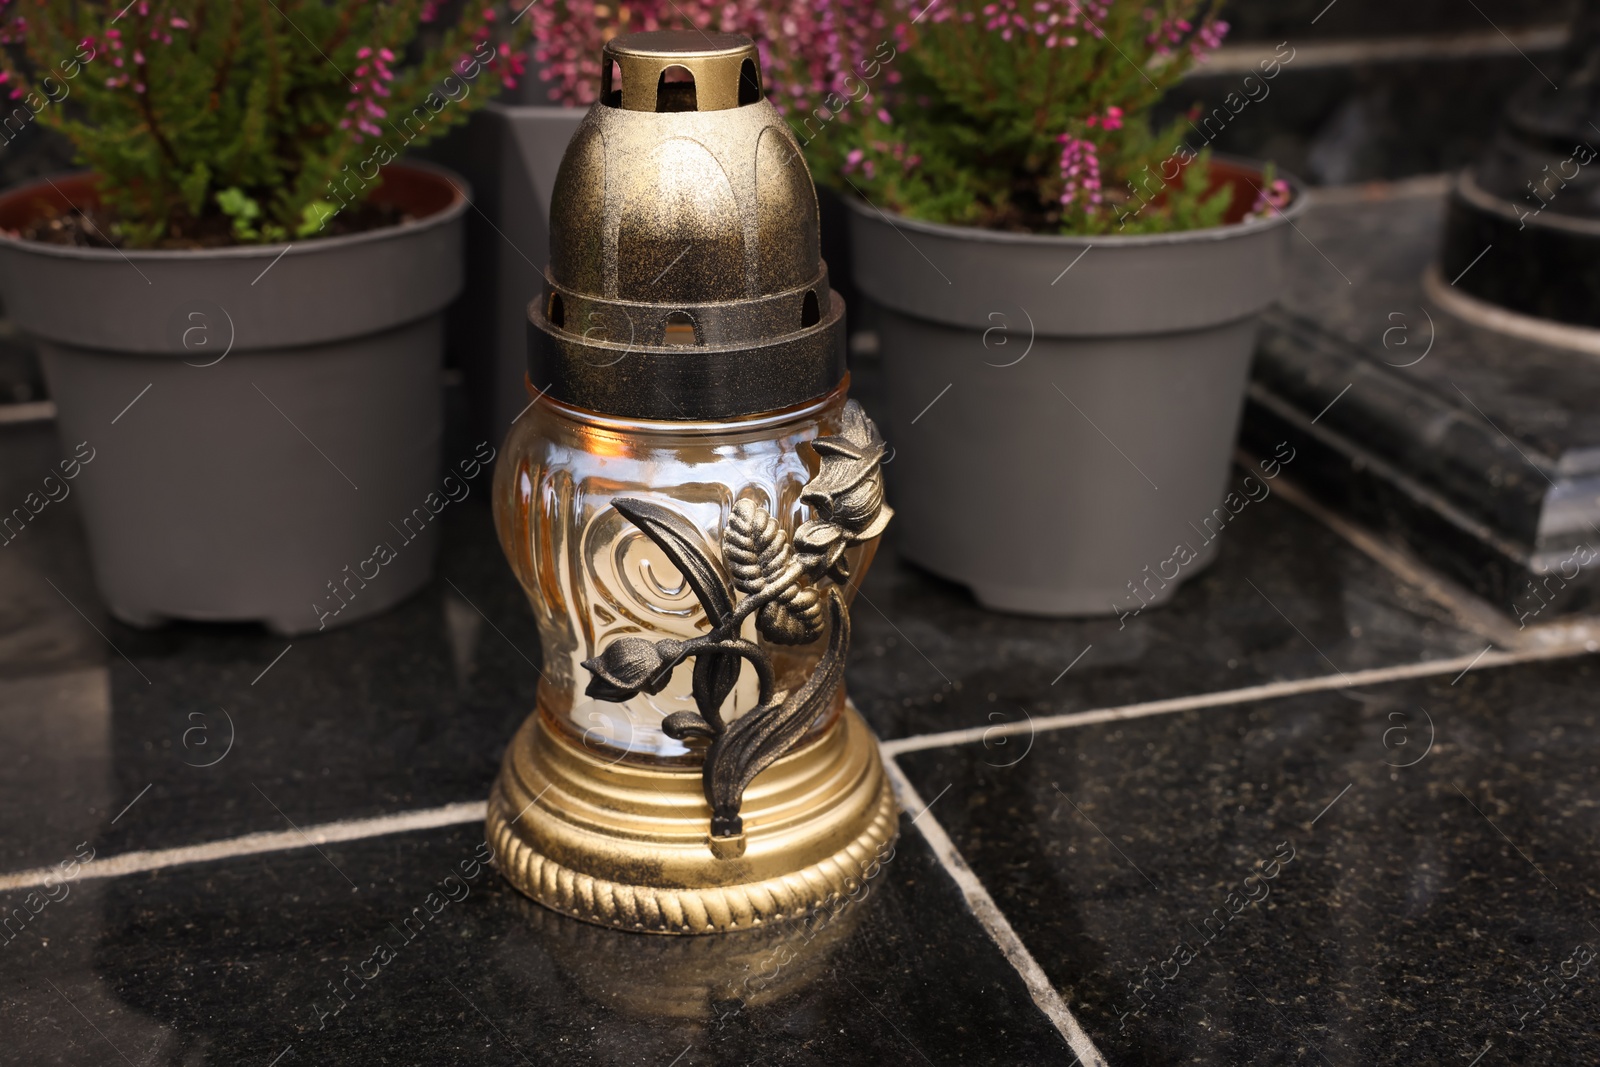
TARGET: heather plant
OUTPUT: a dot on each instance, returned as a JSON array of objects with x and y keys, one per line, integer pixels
[
  {"x": 217, "y": 121},
  {"x": 807, "y": 49},
  {"x": 1034, "y": 115},
  {"x": 1029, "y": 115}
]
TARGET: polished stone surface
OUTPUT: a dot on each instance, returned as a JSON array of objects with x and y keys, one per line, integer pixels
[
  {"x": 1358, "y": 119},
  {"x": 1361, "y": 259},
  {"x": 1357, "y": 19},
  {"x": 1550, "y": 268},
  {"x": 1405, "y": 930},
  {"x": 97, "y": 711},
  {"x": 927, "y": 658},
  {"x": 232, "y": 963},
  {"x": 212, "y": 731},
  {"x": 1414, "y": 923},
  {"x": 1481, "y": 450}
]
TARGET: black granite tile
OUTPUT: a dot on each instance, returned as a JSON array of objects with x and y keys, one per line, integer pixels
[
  {"x": 1346, "y": 478},
  {"x": 1480, "y": 449},
  {"x": 1356, "y": 19},
  {"x": 1548, "y": 399},
  {"x": 41, "y": 630},
  {"x": 21, "y": 377},
  {"x": 925, "y": 657},
  {"x": 54, "y": 697},
  {"x": 1360, "y": 121},
  {"x": 1432, "y": 889},
  {"x": 213, "y": 731},
  {"x": 232, "y": 963},
  {"x": 409, "y": 709}
]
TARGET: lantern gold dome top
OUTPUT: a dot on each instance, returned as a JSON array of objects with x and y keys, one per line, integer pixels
[
  {"x": 685, "y": 277},
  {"x": 724, "y": 71}
]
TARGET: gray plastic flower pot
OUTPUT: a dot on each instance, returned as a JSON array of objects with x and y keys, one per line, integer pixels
[
  {"x": 511, "y": 153},
  {"x": 1062, "y": 410},
  {"x": 261, "y": 418}
]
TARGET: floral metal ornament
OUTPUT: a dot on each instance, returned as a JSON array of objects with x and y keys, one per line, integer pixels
[
  {"x": 846, "y": 494},
  {"x": 778, "y": 579}
]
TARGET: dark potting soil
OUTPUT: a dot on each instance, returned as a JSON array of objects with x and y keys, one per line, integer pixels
[{"x": 92, "y": 227}]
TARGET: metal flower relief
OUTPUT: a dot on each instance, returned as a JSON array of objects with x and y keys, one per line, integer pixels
[{"x": 779, "y": 579}]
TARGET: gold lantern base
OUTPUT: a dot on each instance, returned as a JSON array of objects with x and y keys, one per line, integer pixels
[{"x": 623, "y": 845}]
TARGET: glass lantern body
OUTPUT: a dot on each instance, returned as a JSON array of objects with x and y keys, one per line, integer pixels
[{"x": 591, "y": 576}]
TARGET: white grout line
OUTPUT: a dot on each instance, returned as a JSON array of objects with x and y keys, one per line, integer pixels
[
  {"x": 978, "y": 899},
  {"x": 475, "y": 810},
  {"x": 1246, "y": 695},
  {"x": 29, "y": 411},
  {"x": 1471, "y": 610},
  {"x": 994, "y": 922},
  {"x": 254, "y": 844}
]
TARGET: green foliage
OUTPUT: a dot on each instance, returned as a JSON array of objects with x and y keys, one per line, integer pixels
[
  {"x": 1024, "y": 115},
  {"x": 262, "y": 117},
  {"x": 314, "y": 216},
  {"x": 244, "y": 210}
]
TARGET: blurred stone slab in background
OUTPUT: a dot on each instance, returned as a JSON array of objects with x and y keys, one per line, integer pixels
[
  {"x": 1479, "y": 450},
  {"x": 1252, "y": 20}
]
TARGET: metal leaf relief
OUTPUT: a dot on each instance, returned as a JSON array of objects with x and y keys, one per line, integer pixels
[
  {"x": 757, "y": 553},
  {"x": 714, "y": 673},
  {"x": 778, "y": 575},
  {"x": 682, "y": 544}
]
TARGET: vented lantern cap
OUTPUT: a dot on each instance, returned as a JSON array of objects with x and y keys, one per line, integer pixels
[{"x": 685, "y": 277}]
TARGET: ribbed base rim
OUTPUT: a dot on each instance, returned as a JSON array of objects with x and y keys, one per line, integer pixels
[{"x": 817, "y": 833}]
